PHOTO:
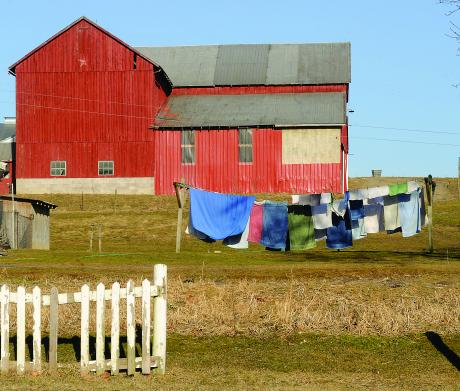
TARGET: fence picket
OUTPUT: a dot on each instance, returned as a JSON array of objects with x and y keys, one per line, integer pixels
[
  {"x": 5, "y": 329},
  {"x": 130, "y": 327},
  {"x": 115, "y": 333},
  {"x": 54, "y": 312},
  {"x": 37, "y": 337},
  {"x": 84, "y": 335},
  {"x": 21, "y": 330},
  {"x": 100, "y": 329},
  {"x": 146, "y": 327},
  {"x": 159, "y": 316}
]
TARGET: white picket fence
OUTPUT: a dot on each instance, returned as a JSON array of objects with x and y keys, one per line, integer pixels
[{"x": 148, "y": 360}]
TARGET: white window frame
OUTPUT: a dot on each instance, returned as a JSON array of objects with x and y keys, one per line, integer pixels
[
  {"x": 54, "y": 171},
  {"x": 191, "y": 147},
  {"x": 246, "y": 146},
  {"x": 99, "y": 168}
]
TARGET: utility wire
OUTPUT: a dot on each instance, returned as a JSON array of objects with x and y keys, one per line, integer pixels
[
  {"x": 406, "y": 129},
  {"x": 405, "y": 141}
]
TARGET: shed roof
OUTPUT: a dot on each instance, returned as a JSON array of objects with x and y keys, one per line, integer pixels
[
  {"x": 210, "y": 111},
  {"x": 268, "y": 64},
  {"x": 7, "y": 131},
  {"x": 29, "y": 200}
]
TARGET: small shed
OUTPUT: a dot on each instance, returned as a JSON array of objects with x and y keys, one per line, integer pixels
[{"x": 25, "y": 222}]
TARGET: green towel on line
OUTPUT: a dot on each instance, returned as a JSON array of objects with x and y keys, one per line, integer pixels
[
  {"x": 398, "y": 188},
  {"x": 301, "y": 230}
]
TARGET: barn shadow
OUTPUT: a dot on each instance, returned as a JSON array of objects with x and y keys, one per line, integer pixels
[{"x": 436, "y": 340}]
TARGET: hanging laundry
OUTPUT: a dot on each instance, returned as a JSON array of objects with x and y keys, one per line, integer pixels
[
  {"x": 423, "y": 216},
  {"x": 326, "y": 198},
  {"x": 398, "y": 188},
  {"x": 360, "y": 194},
  {"x": 412, "y": 186},
  {"x": 320, "y": 234},
  {"x": 391, "y": 213},
  {"x": 239, "y": 241},
  {"x": 306, "y": 199},
  {"x": 322, "y": 216},
  {"x": 356, "y": 209},
  {"x": 301, "y": 231},
  {"x": 219, "y": 215},
  {"x": 339, "y": 235},
  {"x": 409, "y": 212},
  {"x": 375, "y": 192},
  {"x": 256, "y": 223},
  {"x": 357, "y": 229},
  {"x": 275, "y": 225},
  {"x": 373, "y": 216}
]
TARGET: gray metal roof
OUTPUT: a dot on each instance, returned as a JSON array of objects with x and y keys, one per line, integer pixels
[
  {"x": 7, "y": 131},
  {"x": 275, "y": 64},
  {"x": 210, "y": 111}
]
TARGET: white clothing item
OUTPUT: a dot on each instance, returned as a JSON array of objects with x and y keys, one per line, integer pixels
[
  {"x": 412, "y": 186},
  {"x": 322, "y": 216},
  {"x": 243, "y": 239},
  {"x": 373, "y": 218},
  {"x": 391, "y": 213},
  {"x": 339, "y": 207},
  {"x": 381, "y": 191},
  {"x": 326, "y": 198},
  {"x": 361, "y": 194},
  {"x": 306, "y": 199}
]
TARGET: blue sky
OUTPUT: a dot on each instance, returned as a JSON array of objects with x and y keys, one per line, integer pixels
[{"x": 403, "y": 64}]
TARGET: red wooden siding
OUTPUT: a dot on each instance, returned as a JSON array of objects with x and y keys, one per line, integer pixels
[
  {"x": 217, "y": 168},
  {"x": 80, "y": 99}
]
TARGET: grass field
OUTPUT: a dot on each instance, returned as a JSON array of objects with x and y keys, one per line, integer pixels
[{"x": 382, "y": 315}]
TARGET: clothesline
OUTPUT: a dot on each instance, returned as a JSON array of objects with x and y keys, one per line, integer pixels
[{"x": 299, "y": 226}]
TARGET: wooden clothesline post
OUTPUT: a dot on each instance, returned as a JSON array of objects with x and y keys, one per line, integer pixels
[
  {"x": 430, "y": 185},
  {"x": 180, "y": 195}
]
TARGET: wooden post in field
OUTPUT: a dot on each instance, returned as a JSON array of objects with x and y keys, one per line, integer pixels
[
  {"x": 37, "y": 337},
  {"x": 130, "y": 327},
  {"x": 115, "y": 332},
  {"x": 91, "y": 236},
  {"x": 146, "y": 327},
  {"x": 5, "y": 328},
  {"x": 100, "y": 237},
  {"x": 179, "y": 195},
  {"x": 81, "y": 202},
  {"x": 54, "y": 305},
  {"x": 100, "y": 329},
  {"x": 429, "y": 197},
  {"x": 84, "y": 334},
  {"x": 21, "y": 330},
  {"x": 458, "y": 179},
  {"x": 159, "y": 316}
]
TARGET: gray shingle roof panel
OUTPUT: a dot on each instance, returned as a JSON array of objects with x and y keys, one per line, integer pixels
[
  {"x": 185, "y": 65},
  {"x": 321, "y": 63},
  {"x": 208, "y": 111},
  {"x": 276, "y": 64},
  {"x": 241, "y": 65},
  {"x": 7, "y": 131}
]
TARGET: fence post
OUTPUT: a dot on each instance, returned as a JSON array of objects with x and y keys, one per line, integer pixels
[
  {"x": 159, "y": 316},
  {"x": 5, "y": 329},
  {"x": 37, "y": 337},
  {"x": 130, "y": 328},
  {"x": 115, "y": 332},
  {"x": 146, "y": 327},
  {"x": 54, "y": 316},
  {"x": 84, "y": 334},
  {"x": 100, "y": 329},
  {"x": 21, "y": 330}
]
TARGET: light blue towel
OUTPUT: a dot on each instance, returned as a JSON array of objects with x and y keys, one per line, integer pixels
[
  {"x": 409, "y": 213},
  {"x": 219, "y": 215}
]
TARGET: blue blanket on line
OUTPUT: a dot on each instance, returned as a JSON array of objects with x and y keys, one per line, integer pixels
[
  {"x": 275, "y": 225},
  {"x": 219, "y": 215}
]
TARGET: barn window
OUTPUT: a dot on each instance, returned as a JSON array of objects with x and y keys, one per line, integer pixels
[
  {"x": 188, "y": 146},
  {"x": 245, "y": 145},
  {"x": 105, "y": 167},
  {"x": 58, "y": 168}
]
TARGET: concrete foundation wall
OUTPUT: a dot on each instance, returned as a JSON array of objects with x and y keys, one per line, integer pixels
[{"x": 106, "y": 185}]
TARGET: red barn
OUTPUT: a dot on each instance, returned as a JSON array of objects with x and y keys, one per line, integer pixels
[{"x": 95, "y": 115}]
